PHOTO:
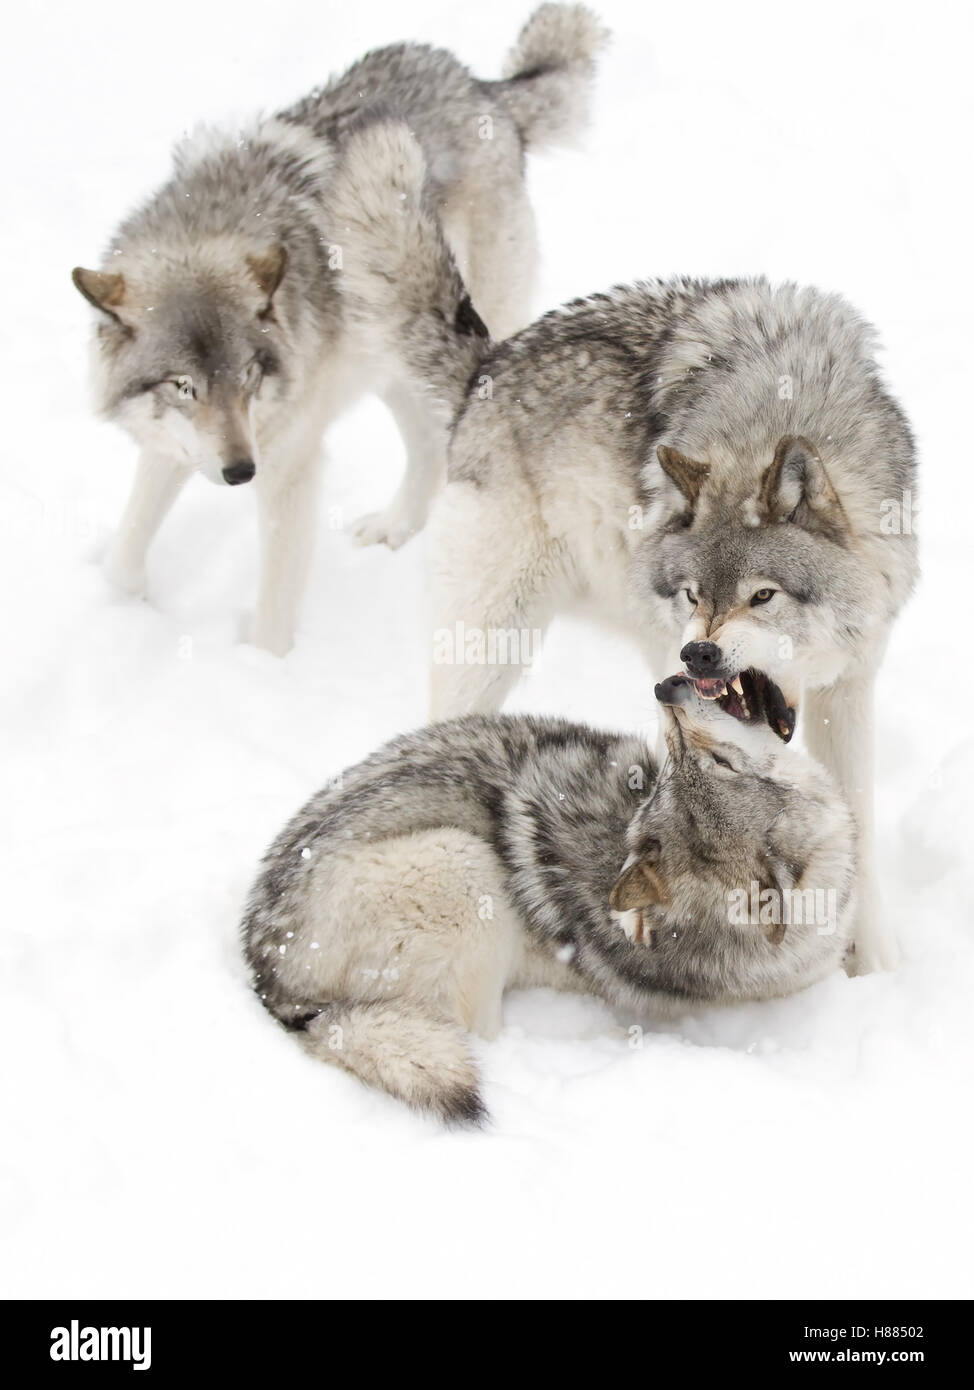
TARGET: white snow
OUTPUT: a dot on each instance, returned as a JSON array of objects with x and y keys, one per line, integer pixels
[{"x": 161, "y": 1136}]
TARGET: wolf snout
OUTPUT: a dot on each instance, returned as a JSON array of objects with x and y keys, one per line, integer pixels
[
  {"x": 241, "y": 471},
  {"x": 701, "y": 658},
  {"x": 675, "y": 690}
]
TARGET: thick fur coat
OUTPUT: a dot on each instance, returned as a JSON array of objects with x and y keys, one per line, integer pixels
[
  {"x": 714, "y": 467},
  {"x": 393, "y": 911},
  {"x": 232, "y": 328}
]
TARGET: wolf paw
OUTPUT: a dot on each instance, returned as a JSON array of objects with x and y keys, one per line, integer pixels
[
  {"x": 379, "y": 528},
  {"x": 872, "y": 955},
  {"x": 129, "y": 578},
  {"x": 271, "y": 637}
]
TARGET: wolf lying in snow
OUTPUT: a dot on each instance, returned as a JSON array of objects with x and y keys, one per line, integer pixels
[
  {"x": 483, "y": 854},
  {"x": 229, "y": 336}
]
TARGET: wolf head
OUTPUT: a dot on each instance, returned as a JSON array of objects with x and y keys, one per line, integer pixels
[
  {"x": 733, "y": 808},
  {"x": 187, "y": 345},
  {"x": 760, "y": 577}
]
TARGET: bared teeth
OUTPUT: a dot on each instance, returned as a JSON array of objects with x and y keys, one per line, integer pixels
[
  {"x": 710, "y": 688},
  {"x": 736, "y": 685}
]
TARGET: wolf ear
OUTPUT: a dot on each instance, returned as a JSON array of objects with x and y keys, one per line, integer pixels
[
  {"x": 688, "y": 474},
  {"x": 796, "y": 487},
  {"x": 641, "y": 884},
  {"x": 268, "y": 270},
  {"x": 103, "y": 290}
]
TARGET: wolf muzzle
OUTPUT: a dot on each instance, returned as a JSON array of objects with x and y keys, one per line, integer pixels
[
  {"x": 675, "y": 690},
  {"x": 702, "y": 659}
]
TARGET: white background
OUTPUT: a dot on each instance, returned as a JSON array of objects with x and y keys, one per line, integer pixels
[{"x": 161, "y": 1136}]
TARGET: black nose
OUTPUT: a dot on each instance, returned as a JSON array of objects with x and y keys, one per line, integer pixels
[
  {"x": 674, "y": 690},
  {"x": 240, "y": 472},
  {"x": 701, "y": 658}
]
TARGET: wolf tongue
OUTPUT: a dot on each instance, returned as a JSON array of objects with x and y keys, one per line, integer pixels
[{"x": 710, "y": 687}]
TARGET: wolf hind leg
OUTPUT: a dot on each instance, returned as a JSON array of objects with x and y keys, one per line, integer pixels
[
  {"x": 425, "y": 439},
  {"x": 501, "y": 258},
  {"x": 158, "y": 482},
  {"x": 427, "y": 944}
]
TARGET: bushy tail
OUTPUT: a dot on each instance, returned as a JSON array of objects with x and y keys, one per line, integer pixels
[
  {"x": 414, "y": 1056},
  {"x": 549, "y": 73},
  {"x": 399, "y": 282}
]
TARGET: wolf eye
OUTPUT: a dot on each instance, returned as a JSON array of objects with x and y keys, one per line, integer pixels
[
  {"x": 722, "y": 762},
  {"x": 690, "y": 597},
  {"x": 762, "y": 596}
]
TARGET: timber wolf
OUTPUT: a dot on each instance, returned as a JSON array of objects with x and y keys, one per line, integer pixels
[
  {"x": 487, "y": 853},
  {"x": 713, "y": 467},
  {"x": 229, "y": 334}
]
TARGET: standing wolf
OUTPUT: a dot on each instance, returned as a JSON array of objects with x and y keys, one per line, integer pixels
[
  {"x": 486, "y": 853},
  {"x": 229, "y": 335},
  {"x": 717, "y": 469}
]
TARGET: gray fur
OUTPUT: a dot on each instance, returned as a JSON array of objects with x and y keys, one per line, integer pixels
[
  {"x": 549, "y": 71},
  {"x": 785, "y": 457},
  {"x": 367, "y": 933},
  {"x": 286, "y": 268}
]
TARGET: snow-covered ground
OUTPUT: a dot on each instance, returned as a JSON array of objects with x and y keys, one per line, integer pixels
[{"x": 160, "y": 1136}]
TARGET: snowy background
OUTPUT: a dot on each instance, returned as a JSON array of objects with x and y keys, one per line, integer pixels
[{"x": 161, "y": 1136}]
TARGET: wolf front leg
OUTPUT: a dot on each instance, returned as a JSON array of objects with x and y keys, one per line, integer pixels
[
  {"x": 425, "y": 439},
  {"x": 158, "y": 481},
  {"x": 286, "y": 499},
  {"x": 839, "y": 732},
  {"x": 465, "y": 678},
  {"x": 493, "y": 576}
]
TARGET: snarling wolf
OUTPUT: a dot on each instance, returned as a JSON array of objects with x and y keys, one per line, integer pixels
[
  {"x": 717, "y": 469},
  {"x": 230, "y": 332},
  {"x": 488, "y": 853}
]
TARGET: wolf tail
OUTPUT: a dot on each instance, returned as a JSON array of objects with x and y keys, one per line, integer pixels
[
  {"x": 398, "y": 1048},
  {"x": 549, "y": 73},
  {"x": 399, "y": 278}
]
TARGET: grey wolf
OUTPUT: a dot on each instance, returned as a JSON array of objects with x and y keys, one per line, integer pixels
[
  {"x": 229, "y": 334},
  {"x": 712, "y": 467},
  {"x": 488, "y": 853}
]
